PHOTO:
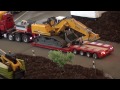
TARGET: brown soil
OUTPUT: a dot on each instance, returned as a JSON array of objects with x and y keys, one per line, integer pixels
[
  {"x": 107, "y": 26},
  {"x": 42, "y": 68}
]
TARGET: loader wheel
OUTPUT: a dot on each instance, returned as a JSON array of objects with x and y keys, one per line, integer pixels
[
  {"x": 88, "y": 54},
  {"x": 81, "y": 53},
  {"x": 18, "y": 38},
  {"x": 10, "y": 37},
  {"x": 25, "y": 38},
  {"x": 95, "y": 56},
  {"x": 75, "y": 51}
]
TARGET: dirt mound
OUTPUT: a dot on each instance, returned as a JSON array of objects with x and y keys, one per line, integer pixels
[
  {"x": 107, "y": 26},
  {"x": 42, "y": 68}
]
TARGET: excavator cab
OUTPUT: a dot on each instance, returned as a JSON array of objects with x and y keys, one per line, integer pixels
[
  {"x": 55, "y": 20},
  {"x": 11, "y": 57},
  {"x": 52, "y": 21}
]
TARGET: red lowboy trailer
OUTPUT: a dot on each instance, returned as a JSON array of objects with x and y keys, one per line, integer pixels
[{"x": 90, "y": 49}]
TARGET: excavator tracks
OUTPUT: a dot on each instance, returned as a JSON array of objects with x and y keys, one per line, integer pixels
[{"x": 51, "y": 41}]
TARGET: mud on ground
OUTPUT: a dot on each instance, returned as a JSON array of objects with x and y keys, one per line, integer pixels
[
  {"x": 42, "y": 68},
  {"x": 107, "y": 26}
]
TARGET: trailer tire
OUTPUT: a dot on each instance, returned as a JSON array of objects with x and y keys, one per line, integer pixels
[
  {"x": 95, "y": 56},
  {"x": 88, "y": 54},
  {"x": 10, "y": 37},
  {"x": 81, "y": 53},
  {"x": 26, "y": 38},
  {"x": 18, "y": 37},
  {"x": 75, "y": 51}
]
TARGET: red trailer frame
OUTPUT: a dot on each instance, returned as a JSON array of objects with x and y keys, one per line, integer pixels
[{"x": 76, "y": 49}]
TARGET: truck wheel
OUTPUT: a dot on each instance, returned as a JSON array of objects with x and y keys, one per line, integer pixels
[
  {"x": 18, "y": 38},
  {"x": 95, "y": 56},
  {"x": 25, "y": 38},
  {"x": 10, "y": 37},
  {"x": 81, "y": 53},
  {"x": 75, "y": 51},
  {"x": 0, "y": 35},
  {"x": 88, "y": 54}
]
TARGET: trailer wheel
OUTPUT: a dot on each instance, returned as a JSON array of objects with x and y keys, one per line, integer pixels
[
  {"x": 81, "y": 53},
  {"x": 75, "y": 51},
  {"x": 18, "y": 38},
  {"x": 25, "y": 38},
  {"x": 88, "y": 54},
  {"x": 95, "y": 56},
  {"x": 10, "y": 37}
]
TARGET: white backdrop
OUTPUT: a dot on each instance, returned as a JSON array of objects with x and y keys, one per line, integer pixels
[{"x": 90, "y": 14}]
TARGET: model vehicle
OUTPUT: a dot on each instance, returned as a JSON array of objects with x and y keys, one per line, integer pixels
[
  {"x": 89, "y": 49},
  {"x": 13, "y": 32},
  {"x": 10, "y": 66},
  {"x": 53, "y": 33},
  {"x": 62, "y": 30},
  {"x": 61, "y": 27}
]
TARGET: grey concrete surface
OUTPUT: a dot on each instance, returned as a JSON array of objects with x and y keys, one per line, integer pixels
[{"x": 110, "y": 64}]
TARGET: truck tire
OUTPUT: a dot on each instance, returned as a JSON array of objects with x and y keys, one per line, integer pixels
[
  {"x": 75, "y": 51},
  {"x": 88, "y": 54},
  {"x": 95, "y": 56},
  {"x": 26, "y": 38},
  {"x": 18, "y": 38},
  {"x": 81, "y": 53},
  {"x": 0, "y": 35},
  {"x": 10, "y": 37}
]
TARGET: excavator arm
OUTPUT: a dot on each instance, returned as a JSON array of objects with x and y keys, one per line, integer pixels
[{"x": 77, "y": 26}]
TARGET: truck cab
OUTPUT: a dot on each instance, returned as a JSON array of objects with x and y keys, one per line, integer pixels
[{"x": 6, "y": 21}]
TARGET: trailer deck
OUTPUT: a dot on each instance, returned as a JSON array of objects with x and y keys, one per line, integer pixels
[{"x": 91, "y": 48}]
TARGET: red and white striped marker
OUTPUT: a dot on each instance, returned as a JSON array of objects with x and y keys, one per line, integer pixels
[
  {"x": 9, "y": 52},
  {"x": 33, "y": 52},
  {"x": 94, "y": 65}
]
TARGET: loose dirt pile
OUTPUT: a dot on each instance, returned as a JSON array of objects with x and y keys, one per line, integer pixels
[
  {"x": 107, "y": 26},
  {"x": 42, "y": 68}
]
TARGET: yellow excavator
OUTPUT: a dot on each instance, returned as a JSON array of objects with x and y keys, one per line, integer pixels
[
  {"x": 62, "y": 30},
  {"x": 10, "y": 66}
]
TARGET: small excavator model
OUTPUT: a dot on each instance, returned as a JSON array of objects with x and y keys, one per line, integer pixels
[{"x": 10, "y": 66}]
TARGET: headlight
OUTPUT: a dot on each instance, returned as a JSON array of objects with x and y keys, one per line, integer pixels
[
  {"x": 111, "y": 48},
  {"x": 102, "y": 52},
  {"x": 30, "y": 38}
]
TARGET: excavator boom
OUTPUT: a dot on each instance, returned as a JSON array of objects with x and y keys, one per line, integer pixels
[{"x": 77, "y": 26}]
